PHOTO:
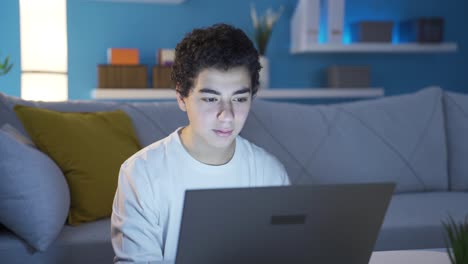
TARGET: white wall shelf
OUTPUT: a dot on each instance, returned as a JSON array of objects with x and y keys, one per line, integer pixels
[
  {"x": 303, "y": 93},
  {"x": 305, "y": 37},
  {"x": 174, "y": 2},
  {"x": 377, "y": 48}
]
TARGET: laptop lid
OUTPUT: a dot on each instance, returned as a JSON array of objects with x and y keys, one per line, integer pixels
[{"x": 288, "y": 224}]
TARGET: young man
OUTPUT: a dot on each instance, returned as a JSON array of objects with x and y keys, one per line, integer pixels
[{"x": 216, "y": 72}]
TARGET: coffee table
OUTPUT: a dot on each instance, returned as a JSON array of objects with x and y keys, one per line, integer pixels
[
  {"x": 410, "y": 257},
  {"x": 423, "y": 256}
]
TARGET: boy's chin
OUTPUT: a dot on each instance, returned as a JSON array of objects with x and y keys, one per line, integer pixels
[{"x": 223, "y": 142}]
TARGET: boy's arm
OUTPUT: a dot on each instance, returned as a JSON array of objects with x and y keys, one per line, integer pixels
[{"x": 135, "y": 228}]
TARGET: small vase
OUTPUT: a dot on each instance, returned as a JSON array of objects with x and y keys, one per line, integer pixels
[{"x": 264, "y": 73}]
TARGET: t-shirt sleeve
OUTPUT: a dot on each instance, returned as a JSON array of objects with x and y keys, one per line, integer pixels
[
  {"x": 275, "y": 174},
  {"x": 135, "y": 224},
  {"x": 285, "y": 178},
  {"x": 283, "y": 175}
]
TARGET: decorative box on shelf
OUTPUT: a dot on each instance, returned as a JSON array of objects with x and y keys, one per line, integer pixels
[
  {"x": 372, "y": 31},
  {"x": 122, "y": 76},
  {"x": 123, "y": 56},
  {"x": 351, "y": 76},
  {"x": 162, "y": 77},
  {"x": 422, "y": 30}
]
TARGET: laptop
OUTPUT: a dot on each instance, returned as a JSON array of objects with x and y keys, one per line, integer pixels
[{"x": 331, "y": 224}]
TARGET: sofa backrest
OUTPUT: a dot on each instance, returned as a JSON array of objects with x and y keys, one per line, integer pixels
[
  {"x": 8, "y": 115},
  {"x": 152, "y": 120},
  {"x": 399, "y": 139},
  {"x": 456, "y": 116}
]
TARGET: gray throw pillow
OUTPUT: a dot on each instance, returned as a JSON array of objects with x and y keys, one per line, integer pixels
[
  {"x": 456, "y": 112},
  {"x": 34, "y": 196},
  {"x": 12, "y": 131}
]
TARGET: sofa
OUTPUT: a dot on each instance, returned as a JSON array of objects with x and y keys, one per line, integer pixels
[{"x": 417, "y": 140}]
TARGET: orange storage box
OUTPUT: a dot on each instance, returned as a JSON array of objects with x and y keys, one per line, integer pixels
[{"x": 118, "y": 56}]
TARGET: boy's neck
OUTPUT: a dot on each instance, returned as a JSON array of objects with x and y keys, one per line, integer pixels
[{"x": 203, "y": 152}]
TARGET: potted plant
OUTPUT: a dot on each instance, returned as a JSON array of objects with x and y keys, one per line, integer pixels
[
  {"x": 263, "y": 27},
  {"x": 457, "y": 244},
  {"x": 5, "y": 66}
]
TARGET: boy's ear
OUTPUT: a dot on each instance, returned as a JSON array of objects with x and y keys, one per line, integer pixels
[{"x": 181, "y": 101}]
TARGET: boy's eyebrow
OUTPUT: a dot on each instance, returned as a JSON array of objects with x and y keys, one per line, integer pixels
[
  {"x": 241, "y": 91},
  {"x": 211, "y": 91}
]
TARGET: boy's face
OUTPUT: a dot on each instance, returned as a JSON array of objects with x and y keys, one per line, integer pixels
[{"x": 217, "y": 107}]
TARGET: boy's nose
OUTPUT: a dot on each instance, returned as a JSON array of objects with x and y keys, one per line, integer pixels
[{"x": 226, "y": 112}]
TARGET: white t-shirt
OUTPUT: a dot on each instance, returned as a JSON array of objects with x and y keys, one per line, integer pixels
[{"x": 147, "y": 207}]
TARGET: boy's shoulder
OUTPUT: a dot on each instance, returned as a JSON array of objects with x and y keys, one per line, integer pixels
[
  {"x": 257, "y": 152},
  {"x": 154, "y": 151},
  {"x": 273, "y": 171}
]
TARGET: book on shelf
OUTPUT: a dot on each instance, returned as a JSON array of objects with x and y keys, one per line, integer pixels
[
  {"x": 332, "y": 18},
  {"x": 305, "y": 24}
]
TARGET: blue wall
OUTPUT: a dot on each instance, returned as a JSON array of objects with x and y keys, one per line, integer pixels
[
  {"x": 10, "y": 45},
  {"x": 94, "y": 26}
]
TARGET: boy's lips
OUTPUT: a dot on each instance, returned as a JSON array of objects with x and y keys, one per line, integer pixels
[{"x": 223, "y": 133}]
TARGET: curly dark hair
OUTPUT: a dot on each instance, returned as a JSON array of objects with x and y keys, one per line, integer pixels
[{"x": 220, "y": 46}]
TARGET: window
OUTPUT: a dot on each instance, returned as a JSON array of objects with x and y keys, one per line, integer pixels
[{"x": 44, "y": 52}]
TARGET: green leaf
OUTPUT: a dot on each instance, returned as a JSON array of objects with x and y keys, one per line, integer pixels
[
  {"x": 5, "y": 67},
  {"x": 457, "y": 240}
]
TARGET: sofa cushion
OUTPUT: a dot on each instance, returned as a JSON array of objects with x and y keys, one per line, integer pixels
[
  {"x": 414, "y": 220},
  {"x": 456, "y": 112},
  {"x": 89, "y": 148},
  {"x": 394, "y": 139},
  {"x": 34, "y": 196},
  {"x": 86, "y": 243}
]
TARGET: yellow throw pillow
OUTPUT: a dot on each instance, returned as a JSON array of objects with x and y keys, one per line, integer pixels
[{"x": 89, "y": 148}]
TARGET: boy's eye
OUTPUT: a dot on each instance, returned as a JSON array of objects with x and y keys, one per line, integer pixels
[
  {"x": 209, "y": 99},
  {"x": 241, "y": 99}
]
